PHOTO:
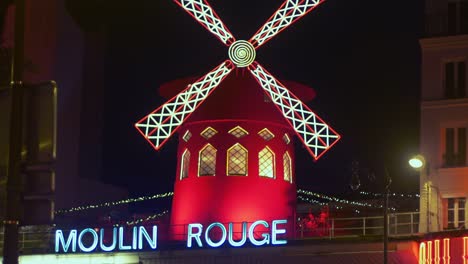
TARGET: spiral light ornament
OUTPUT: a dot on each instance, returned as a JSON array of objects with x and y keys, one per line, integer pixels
[{"x": 242, "y": 53}]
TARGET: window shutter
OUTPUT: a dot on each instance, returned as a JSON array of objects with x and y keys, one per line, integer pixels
[
  {"x": 461, "y": 78},
  {"x": 461, "y": 146},
  {"x": 449, "y": 146},
  {"x": 450, "y": 80}
]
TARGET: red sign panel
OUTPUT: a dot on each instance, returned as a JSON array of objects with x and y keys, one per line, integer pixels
[{"x": 444, "y": 251}]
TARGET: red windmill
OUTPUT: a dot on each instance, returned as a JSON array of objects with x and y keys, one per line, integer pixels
[{"x": 235, "y": 156}]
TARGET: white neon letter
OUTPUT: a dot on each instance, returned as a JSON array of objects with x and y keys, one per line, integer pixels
[
  {"x": 114, "y": 240},
  {"x": 223, "y": 237},
  {"x": 152, "y": 242},
  {"x": 243, "y": 235},
  {"x": 275, "y": 231},
  {"x": 95, "y": 240},
  {"x": 121, "y": 240},
  {"x": 196, "y": 235},
  {"x": 266, "y": 236},
  {"x": 135, "y": 237},
  {"x": 60, "y": 239}
]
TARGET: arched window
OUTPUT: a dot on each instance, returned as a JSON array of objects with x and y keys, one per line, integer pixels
[
  {"x": 287, "y": 167},
  {"x": 184, "y": 166},
  {"x": 266, "y": 163},
  {"x": 207, "y": 161},
  {"x": 286, "y": 139},
  {"x": 237, "y": 160},
  {"x": 186, "y": 137}
]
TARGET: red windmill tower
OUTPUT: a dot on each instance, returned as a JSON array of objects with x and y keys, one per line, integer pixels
[{"x": 235, "y": 156}]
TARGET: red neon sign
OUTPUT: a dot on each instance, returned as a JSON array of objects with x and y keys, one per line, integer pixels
[{"x": 445, "y": 251}]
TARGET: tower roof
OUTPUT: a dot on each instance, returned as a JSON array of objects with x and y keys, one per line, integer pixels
[
  {"x": 172, "y": 88},
  {"x": 240, "y": 97}
]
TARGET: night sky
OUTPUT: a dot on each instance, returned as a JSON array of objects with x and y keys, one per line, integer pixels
[{"x": 362, "y": 57}]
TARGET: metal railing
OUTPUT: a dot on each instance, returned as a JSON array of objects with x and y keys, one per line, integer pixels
[
  {"x": 400, "y": 225},
  {"x": 40, "y": 239},
  {"x": 32, "y": 239}
]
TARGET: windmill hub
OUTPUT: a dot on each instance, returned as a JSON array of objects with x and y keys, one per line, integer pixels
[{"x": 242, "y": 53}]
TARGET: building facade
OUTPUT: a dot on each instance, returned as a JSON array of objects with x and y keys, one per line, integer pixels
[
  {"x": 59, "y": 52},
  {"x": 444, "y": 116}
]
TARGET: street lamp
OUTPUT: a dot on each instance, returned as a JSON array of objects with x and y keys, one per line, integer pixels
[
  {"x": 387, "y": 192},
  {"x": 356, "y": 183},
  {"x": 419, "y": 163}
]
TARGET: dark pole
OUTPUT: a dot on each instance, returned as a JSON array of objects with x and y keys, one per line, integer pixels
[
  {"x": 387, "y": 190},
  {"x": 14, "y": 180}
]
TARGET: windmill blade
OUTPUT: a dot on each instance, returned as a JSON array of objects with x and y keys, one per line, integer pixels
[
  {"x": 205, "y": 15},
  {"x": 316, "y": 135},
  {"x": 289, "y": 12},
  {"x": 159, "y": 125}
]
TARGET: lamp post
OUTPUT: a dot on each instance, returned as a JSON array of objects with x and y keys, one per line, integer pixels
[
  {"x": 419, "y": 163},
  {"x": 388, "y": 181},
  {"x": 14, "y": 180},
  {"x": 387, "y": 191}
]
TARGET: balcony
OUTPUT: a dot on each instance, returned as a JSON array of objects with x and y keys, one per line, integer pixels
[
  {"x": 438, "y": 25},
  {"x": 452, "y": 160}
]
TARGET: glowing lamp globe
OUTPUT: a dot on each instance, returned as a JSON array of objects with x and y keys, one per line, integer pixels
[{"x": 417, "y": 162}]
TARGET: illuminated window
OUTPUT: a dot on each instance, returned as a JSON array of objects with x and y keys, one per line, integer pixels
[
  {"x": 238, "y": 132},
  {"x": 456, "y": 213},
  {"x": 286, "y": 139},
  {"x": 266, "y": 163},
  {"x": 237, "y": 160},
  {"x": 184, "y": 167},
  {"x": 187, "y": 136},
  {"x": 287, "y": 167},
  {"x": 208, "y": 133},
  {"x": 266, "y": 134},
  {"x": 207, "y": 161},
  {"x": 455, "y": 147}
]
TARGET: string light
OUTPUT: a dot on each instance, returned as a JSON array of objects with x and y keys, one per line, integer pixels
[
  {"x": 338, "y": 200},
  {"x": 402, "y": 195},
  {"x": 299, "y": 191},
  {"x": 115, "y": 203},
  {"x": 313, "y": 201},
  {"x": 335, "y": 199},
  {"x": 148, "y": 218},
  {"x": 310, "y": 200}
]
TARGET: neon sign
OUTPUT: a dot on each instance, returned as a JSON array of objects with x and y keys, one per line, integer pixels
[
  {"x": 95, "y": 239},
  {"x": 88, "y": 240},
  {"x": 444, "y": 251},
  {"x": 195, "y": 233}
]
